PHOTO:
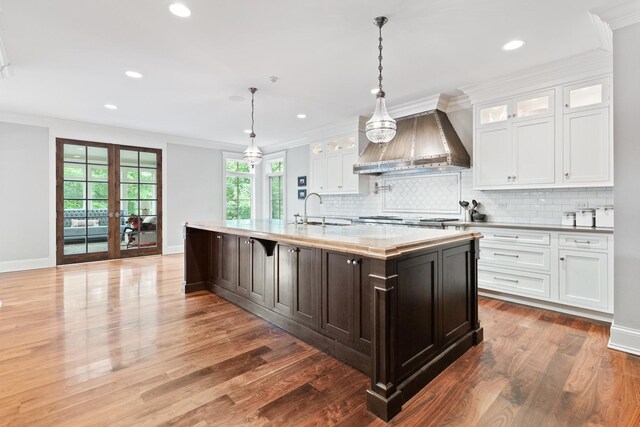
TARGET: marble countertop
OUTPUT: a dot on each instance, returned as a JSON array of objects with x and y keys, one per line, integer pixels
[
  {"x": 536, "y": 227},
  {"x": 378, "y": 241}
]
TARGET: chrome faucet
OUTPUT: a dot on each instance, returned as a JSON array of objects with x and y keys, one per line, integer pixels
[{"x": 306, "y": 217}]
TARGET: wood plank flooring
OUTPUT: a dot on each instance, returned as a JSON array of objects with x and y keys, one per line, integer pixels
[{"x": 116, "y": 343}]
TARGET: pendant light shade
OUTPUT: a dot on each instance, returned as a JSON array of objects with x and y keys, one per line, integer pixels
[
  {"x": 381, "y": 127},
  {"x": 252, "y": 155}
]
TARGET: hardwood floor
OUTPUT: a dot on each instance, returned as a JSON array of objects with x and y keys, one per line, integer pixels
[{"x": 116, "y": 343}]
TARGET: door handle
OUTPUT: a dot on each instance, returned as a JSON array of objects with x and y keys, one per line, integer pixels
[
  {"x": 110, "y": 214},
  {"x": 117, "y": 214}
]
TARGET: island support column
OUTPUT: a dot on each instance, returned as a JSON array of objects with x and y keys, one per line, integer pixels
[{"x": 384, "y": 399}]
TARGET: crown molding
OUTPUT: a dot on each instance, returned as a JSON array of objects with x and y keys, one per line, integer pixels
[
  {"x": 597, "y": 62},
  {"x": 320, "y": 134},
  {"x": 63, "y": 127},
  {"x": 603, "y": 33},
  {"x": 621, "y": 15},
  {"x": 438, "y": 101}
]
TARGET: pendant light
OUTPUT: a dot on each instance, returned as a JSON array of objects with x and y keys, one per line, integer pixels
[
  {"x": 252, "y": 155},
  {"x": 381, "y": 127}
]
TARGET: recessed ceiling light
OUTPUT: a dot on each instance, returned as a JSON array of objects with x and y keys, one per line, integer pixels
[
  {"x": 513, "y": 45},
  {"x": 110, "y": 107},
  {"x": 301, "y": 116},
  {"x": 180, "y": 10},
  {"x": 247, "y": 131},
  {"x": 236, "y": 98},
  {"x": 374, "y": 91},
  {"x": 133, "y": 74}
]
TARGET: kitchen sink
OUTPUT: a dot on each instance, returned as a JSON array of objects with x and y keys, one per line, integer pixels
[{"x": 316, "y": 223}]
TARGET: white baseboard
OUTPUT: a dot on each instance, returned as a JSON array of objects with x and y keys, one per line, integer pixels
[
  {"x": 26, "y": 264},
  {"x": 176, "y": 249},
  {"x": 624, "y": 339}
]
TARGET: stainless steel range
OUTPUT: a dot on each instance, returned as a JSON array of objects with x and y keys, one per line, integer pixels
[{"x": 416, "y": 222}]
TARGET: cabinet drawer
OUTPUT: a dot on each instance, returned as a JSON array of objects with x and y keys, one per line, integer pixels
[
  {"x": 514, "y": 237},
  {"x": 582, "y": 241},
  {"x": 534, "y": 258},
  {"x": 515, "y": 282}
]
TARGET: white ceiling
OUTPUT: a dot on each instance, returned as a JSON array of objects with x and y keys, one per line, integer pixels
[{"x": 69, "y": 58}]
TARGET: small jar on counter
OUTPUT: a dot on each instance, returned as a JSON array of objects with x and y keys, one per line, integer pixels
[
  {"x": 586, "y": 218},
  {"x": 604, "y": 216},
  {"x": 569, "y": 219}
]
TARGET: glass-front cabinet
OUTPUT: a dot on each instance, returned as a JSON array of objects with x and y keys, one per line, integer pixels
[{"x": 586, "y": 95}]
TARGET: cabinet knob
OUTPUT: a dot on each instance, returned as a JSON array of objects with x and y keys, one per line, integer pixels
[
  {"x": 513, "y": 177},
  {"x": 219, "y": 236},
  {"x": 561, "y": 258},
  {"x": 566, "y": 174},
  {"x": 566, "y": 105},
  {"x": 349, "y": 261},
  {"x": 356, "y": 262}
]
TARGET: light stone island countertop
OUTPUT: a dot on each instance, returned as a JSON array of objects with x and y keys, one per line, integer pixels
[
  {"x": 379, "y": 241},
  {"x": 534, "y": 227}
]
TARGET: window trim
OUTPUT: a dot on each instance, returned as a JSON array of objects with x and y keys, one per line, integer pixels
[
  {"x": 266, "y": 191},
  {"x": 225, "y": 174}
]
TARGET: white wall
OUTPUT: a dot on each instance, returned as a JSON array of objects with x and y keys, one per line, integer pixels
[
  {"x": 193, "y": 189},
  {"x": 24, "y": 196},
  {"x": 297, "y": 165},
  {"x": 42, "y": 251},
  {"x": 625, "y": 333}
]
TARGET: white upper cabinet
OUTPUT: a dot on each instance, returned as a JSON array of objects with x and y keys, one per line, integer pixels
[
  {"x": 514, "y": 142},
  {"x": 560, "y": 137},
  {"x": 587, "y": 147},
  {"x": 586, "y": 95},
  {"x": 331, "y": 165}
]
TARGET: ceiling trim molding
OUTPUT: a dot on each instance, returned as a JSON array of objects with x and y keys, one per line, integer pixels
[
  {"x": 621, "y": 15},
  {"x": 54, "y": 124},
  {"x": 603, "y": 33},
  {"x": 597, "y": 62}
]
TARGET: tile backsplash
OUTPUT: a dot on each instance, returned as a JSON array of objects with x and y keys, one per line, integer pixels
[{"x": 432, "y": 195}]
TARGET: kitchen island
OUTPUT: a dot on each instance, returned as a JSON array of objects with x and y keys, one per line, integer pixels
[{"x": 397, "y": 303}]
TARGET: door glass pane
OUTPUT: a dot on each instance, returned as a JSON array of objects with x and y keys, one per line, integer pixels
[
  {"x": 74, "y": 189},
  {"x": 74, "y": 171},
  {"x": 98, "y": 190},
  {"x": 75, "y": 245},
  {"x": 148, "y": 207},
  {"x": 148, "y": 175},
  {"x": 533, "y": 107},
  {"x": 585, "y": 96},
  {"x": 75, "y": 153},
  {"x": 148, "y": 160},
  {"x": 129, "y": 174},
  {"x": 128, "y": 158},
  {"x": 98, "y": 173},
  {"x": 493, "y": 114},
  {"x": 97, "y": 231},
  {"x": 97, "y": 155},
  {"x": 129, "y": 207},
  {"x": 148, "y": 191},
  {"x": 128, "y": 191}
]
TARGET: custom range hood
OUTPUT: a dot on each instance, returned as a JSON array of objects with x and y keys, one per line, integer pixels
[{"x": 424, "y": 142}]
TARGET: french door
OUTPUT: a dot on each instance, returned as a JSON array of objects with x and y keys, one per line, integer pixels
[{"x": 108, "y": 201}]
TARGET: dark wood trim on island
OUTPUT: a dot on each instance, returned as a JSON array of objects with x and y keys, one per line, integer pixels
[{"x": 401, "y": 320}]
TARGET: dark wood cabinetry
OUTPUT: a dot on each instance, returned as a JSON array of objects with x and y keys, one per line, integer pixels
[
  {"x": 252, "y": 270},
  {"x": 401, "y": 319},
  {"x": 224, "y": 260},
  {"x": 296, "y": 283}
]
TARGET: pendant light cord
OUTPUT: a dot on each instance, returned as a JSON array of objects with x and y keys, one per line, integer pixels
[
  {"x": 380, "y": 91},
  {"x": 252, "y": 135}
]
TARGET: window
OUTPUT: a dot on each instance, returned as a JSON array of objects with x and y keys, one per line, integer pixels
[
  {"x": 238, "y": 189},
  {"x": 275, "y": 186}
]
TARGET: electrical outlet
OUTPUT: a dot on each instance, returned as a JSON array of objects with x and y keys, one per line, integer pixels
[
  {"x": 581, "y": 204},
  {"x": 502, "y": 206}
]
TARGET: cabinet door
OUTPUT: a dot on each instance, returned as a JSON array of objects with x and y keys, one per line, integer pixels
[
  {"x": 318, "y": 178},
  {"x": 489, "y": 115},
  {"x": 587, "y": 147},
  {"x": 251, "y": 270},
  {"x": 586, "y": 95},
  {"x": 284, "y": 279},
  {"x": 305, "y": 285},
  {"x": 584, "y": 278},
  {"x": 226, "y": 261},
  {"x": 456, "y": 296},
  {"x": 334, "y": 173},
  {"x": 493, "y": 156},
  {"x": 534, "y": 106},
  {"x": 337, "y": 295},
  {"x": 534, "y": 151}
]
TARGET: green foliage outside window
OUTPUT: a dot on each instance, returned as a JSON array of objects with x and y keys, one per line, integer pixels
[
  {"x": 238, "y": 166},
  {"x": 238, "y": 197},
  {"x": 276, "y": 197}
]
